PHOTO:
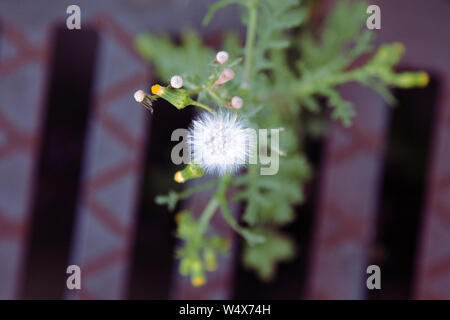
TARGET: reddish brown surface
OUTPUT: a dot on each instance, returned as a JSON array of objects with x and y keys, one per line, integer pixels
[
  {"x": 118, "y": 225},
  {"x": 18, "y": 141},
  {"x": 345, "y": 219}
]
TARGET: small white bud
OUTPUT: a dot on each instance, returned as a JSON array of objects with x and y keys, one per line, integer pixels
[
  {"x": 222, "y": 57},
  {"x": 226, "y": 75},
  {"x": 236, "y": 102},
  {"x": 176, "y": 82},
  {"x": 139, "y": 96}
]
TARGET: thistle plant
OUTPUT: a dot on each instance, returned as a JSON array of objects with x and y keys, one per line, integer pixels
[{"x": 285, "y": 75}]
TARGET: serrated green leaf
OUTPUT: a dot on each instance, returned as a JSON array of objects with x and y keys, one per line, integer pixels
[{"x": 264, "y": 257}]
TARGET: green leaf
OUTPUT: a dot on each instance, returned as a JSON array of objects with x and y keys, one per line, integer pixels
[
  {"x": 218, "y": 5},
  {"x": 190, "y": 60},
  {"x": 264, "y": 257},
  {"x": 170, "y": 200}
]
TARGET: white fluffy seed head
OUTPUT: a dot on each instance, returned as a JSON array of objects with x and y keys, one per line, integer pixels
[
  {"x": 220, "y": 143},
  {"x": 176, "y": 82},
  {"x": 222, "y": 57},
  {"x": 139, "y": 96},
  {"x": 236, "y": 102}
]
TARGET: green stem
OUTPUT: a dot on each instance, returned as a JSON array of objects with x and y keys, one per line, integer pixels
[
  {"x": 213, "y": 95},
  {"x": 207, "y": 214},
  {"x": 194, "y": 91},
  {"x": 196, "y": 189},
  {"x": 213, "y": 204},
  {"x": 250, "y": 40},
  {"x": 250, "y": 236},
  {"x": 303, "y": 88},
  {"x": 201, "y": 105}
]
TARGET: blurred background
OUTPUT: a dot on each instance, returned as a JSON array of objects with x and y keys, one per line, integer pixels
[{"x": 81, "y": 162}]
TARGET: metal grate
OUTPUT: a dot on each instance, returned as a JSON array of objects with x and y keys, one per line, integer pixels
[{"x": 79, "y": 160}]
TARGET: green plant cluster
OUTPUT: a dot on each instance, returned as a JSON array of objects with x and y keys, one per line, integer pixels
[{"x": 285, "y": 71}]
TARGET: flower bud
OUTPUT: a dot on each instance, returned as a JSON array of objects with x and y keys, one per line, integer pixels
[
  {"x": 222, "y": 57},
  {"x": 197, "y": 273},
  {"x": 210, "y": 260},
  {"x": 185, "y": 266},
  {"x": 139, "y": 96},
  {"x": 144, "y": 99},
  {"x": 176, "y": 82},
  {"x": 190, "y": 172},
  {"x": 236, "y": 102},
  {"x": 181, "y": 215},
  {"x": 186, "y": 224},
  {"x": 411, "y": 79},
  {"x": 198, "y": 281},
  {"x": 220, "y": 243},
  {"x": 177, "y": 97},
  {"x": 226, "y": 75},
  {"x": 389, "y": 53}
]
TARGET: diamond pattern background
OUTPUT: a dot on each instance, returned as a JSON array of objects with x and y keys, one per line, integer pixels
[
  {"x": 113, "y": 168},
  {"x": 22, "y": 68},
  {"x": 105, "y": 220},
  {"x": 346, "y": 212}
]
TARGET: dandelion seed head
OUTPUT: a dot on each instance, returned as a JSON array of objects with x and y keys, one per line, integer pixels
[{"x": 220, "y": 143}]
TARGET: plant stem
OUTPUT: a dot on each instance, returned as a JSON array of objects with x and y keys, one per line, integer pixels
[
  {"x": 302, "y": 88},
  {"x": 251, "y": 237},
  {"x": 186, "y": 193},
  {"x": 207, "y": 214},
  {"x": 213, "y": 95},
  {"x": 213, "y": 204},
  {"x": 201, "y": 105},
  {"x": 250, "y": 40}
]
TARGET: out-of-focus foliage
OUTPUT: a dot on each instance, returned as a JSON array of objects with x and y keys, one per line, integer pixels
[
  {"x": 187, "y": 59},
  {"x": 277, "y": 93}
]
